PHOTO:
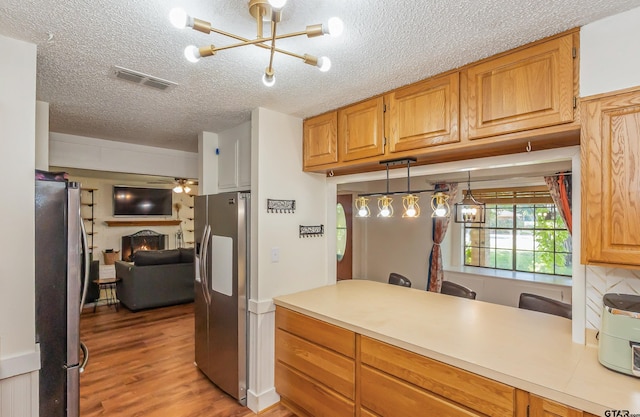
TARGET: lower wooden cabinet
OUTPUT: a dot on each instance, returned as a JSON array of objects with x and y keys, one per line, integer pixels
[
  {"x": 324, "y": 370},
  {"x": 385, "y": 395},
  {"x": 315, "y": 366},
  {"x": 433, "y": 380},
  {"x": 543, "y": 407}
]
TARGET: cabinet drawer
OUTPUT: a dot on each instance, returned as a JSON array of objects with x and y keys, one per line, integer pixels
[
  {"x": 542, "y": 407},
  {"x": 527, "y": 89},
  {"x": 325, "y": 366},
  {"x": 471, "y": 390},
  {"x": 324, "y": 334},
  {"x": 391, "y": 397},
  {"x": 312, "y": 397}
]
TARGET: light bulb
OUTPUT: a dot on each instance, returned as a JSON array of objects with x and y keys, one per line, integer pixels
[
  {"x": 385, "y": 212},
  {"x": 277, "y": 4},
  {"x": 441, "y": 211},
  {"x": 192, "y": 53},
  {"x": 411, "y": 211},
  {"x": 177, "y": 189},
  {"x": 178, "y": 18},
  {"x": 335, "y": 27},
  {"x": 362, "y": 212},
  {"x": 324, "y": 64},
  {"x": 268, "y": 80},
  {"x": 186, "y": 188}
]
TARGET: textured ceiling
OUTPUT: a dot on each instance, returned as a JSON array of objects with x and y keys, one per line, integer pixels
[{"x": 385, "y": 44}]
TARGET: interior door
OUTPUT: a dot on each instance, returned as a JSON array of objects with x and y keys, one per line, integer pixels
[{"x": 344, "y": 235}]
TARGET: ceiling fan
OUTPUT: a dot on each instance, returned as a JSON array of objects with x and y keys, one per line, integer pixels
[{"x": 183, "y": 185}]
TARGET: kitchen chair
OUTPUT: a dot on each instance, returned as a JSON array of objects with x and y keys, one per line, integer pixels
[
  {"x": 397, "y": 279},
  {"x": 545, "y": 305},
  {"x": 451, "y": 288}
]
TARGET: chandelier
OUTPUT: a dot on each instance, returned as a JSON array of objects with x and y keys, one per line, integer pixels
[
  {"x": 410, "y": 199},
  {"x": 261, "y": 10}
]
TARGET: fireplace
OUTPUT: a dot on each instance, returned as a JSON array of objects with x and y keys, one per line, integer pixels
[{"x": 142, "y": 240}]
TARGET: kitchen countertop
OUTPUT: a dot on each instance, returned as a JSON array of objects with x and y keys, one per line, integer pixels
[{"x": 525, "y": 349}]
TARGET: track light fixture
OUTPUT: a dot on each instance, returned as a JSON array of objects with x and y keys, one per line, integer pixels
[{"x": 261, "y": 10}]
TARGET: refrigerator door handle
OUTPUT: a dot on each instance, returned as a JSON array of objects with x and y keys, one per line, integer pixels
[
  {"x": 204, "y": 279},
  {"x": 87, "y": 262},
  {"x": 85, "y": 354}
]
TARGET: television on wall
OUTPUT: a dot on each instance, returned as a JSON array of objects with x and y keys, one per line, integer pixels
[{"x": 139, "y": 201}]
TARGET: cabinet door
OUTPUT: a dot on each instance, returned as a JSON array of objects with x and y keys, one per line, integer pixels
[
  {"x": 527, "y": 89},
  {"x": 361, "y": 130},
  {"x": 610, "y": 180},
  {"x": 424, "y": 114},
  {"x": 320, "y": 140},
  {"x": 542, "y": 407}
]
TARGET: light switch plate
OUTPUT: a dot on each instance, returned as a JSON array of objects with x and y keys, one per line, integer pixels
[{"x": 275, "y": 255}]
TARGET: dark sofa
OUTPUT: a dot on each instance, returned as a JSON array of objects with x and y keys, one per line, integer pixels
[{"x": 156, "y": 278}]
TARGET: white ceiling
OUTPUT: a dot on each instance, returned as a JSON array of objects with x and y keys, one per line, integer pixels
[{"x": 386, "y": 44}]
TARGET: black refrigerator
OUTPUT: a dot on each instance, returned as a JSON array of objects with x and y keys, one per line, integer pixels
[
  {"x": 61, "y": 271},
  {"x": 221, "y": 287}
]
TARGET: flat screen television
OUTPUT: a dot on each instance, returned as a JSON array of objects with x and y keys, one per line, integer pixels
[{"x": 139, "y": 201}]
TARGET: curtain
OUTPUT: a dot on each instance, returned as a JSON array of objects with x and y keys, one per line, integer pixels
[
  {"x": 560, "y": 190},
  {"x": 439, "y": 230}
]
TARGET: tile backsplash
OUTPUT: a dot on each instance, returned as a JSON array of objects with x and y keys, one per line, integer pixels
[{"x": 602, "y": 280}]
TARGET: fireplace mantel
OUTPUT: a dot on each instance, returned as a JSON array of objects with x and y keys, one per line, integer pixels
[{"x": 124, "y": 223}]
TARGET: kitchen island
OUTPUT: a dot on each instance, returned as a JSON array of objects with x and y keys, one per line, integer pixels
[{"x": 520, "y": 358}]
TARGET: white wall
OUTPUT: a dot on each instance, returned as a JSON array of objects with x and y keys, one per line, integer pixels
[
  {"x": 276, "y": 173},
  {"x": 42, "y": 135},
  {"x": 396, "y": 245},
  {"x": 609, "y": 61},
  {"x": 105, "y": 155},
  {"x": 609, "y": 58},
  {"x": 18, "y": 353}
]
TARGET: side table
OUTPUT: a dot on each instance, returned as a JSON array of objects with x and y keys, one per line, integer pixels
[{"x": 108, "y": 285}]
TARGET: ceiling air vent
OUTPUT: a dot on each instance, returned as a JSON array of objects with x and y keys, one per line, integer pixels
[{"x": 140, "y": 78}]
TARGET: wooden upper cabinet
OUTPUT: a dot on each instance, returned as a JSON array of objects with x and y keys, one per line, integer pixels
[
  {"x": 320, "y": 140},
  {"x": 610, "y": 147},
  {"x": 424, "y": 114},
  {"x": 361, "y": 130},
  {"x": 526, "y": 89}
]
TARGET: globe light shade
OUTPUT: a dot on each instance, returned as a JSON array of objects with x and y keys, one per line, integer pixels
[
  {"x": 277, "y": 4},
  {"x": 192, "y": 53},
  {"x": 335, "y": 27},
  {"x": 268, "y": 80},
  {"x": 324, "y": 64},
  {"x": 178, "y": 18}
]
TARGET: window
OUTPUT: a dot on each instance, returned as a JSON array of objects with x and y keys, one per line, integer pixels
[{"x": 524, "y": 233}]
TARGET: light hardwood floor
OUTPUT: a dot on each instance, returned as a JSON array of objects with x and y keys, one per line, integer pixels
[{"x": 141, "y": 365}]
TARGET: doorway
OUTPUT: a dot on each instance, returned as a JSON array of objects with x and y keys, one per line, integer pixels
[{"x": 344, "y": 234}]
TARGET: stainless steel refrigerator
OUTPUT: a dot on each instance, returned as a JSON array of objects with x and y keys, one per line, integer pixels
[
  {"x": 222, "y": 276},
  {"x": 61, "y": 271}
]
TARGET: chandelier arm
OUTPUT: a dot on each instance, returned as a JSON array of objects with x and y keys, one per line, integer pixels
[{"x": 274, "y": 25}]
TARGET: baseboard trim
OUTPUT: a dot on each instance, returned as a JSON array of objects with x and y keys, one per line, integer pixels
[
  {"x": 19, "y": 365},
  {"x": 259, "y": 402}
]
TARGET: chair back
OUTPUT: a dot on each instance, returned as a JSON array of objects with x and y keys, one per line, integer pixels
[
  {"x": 451, "y": 288},
  {"x": 545, "y": 305},
  {"x": 397, "y": 279}
]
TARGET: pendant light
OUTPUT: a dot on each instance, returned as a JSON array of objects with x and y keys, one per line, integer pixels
[
  {"x": 469, "y": 210},
  {"x": 410, "y": 201},
  {"x": 439, "y": 205}
]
